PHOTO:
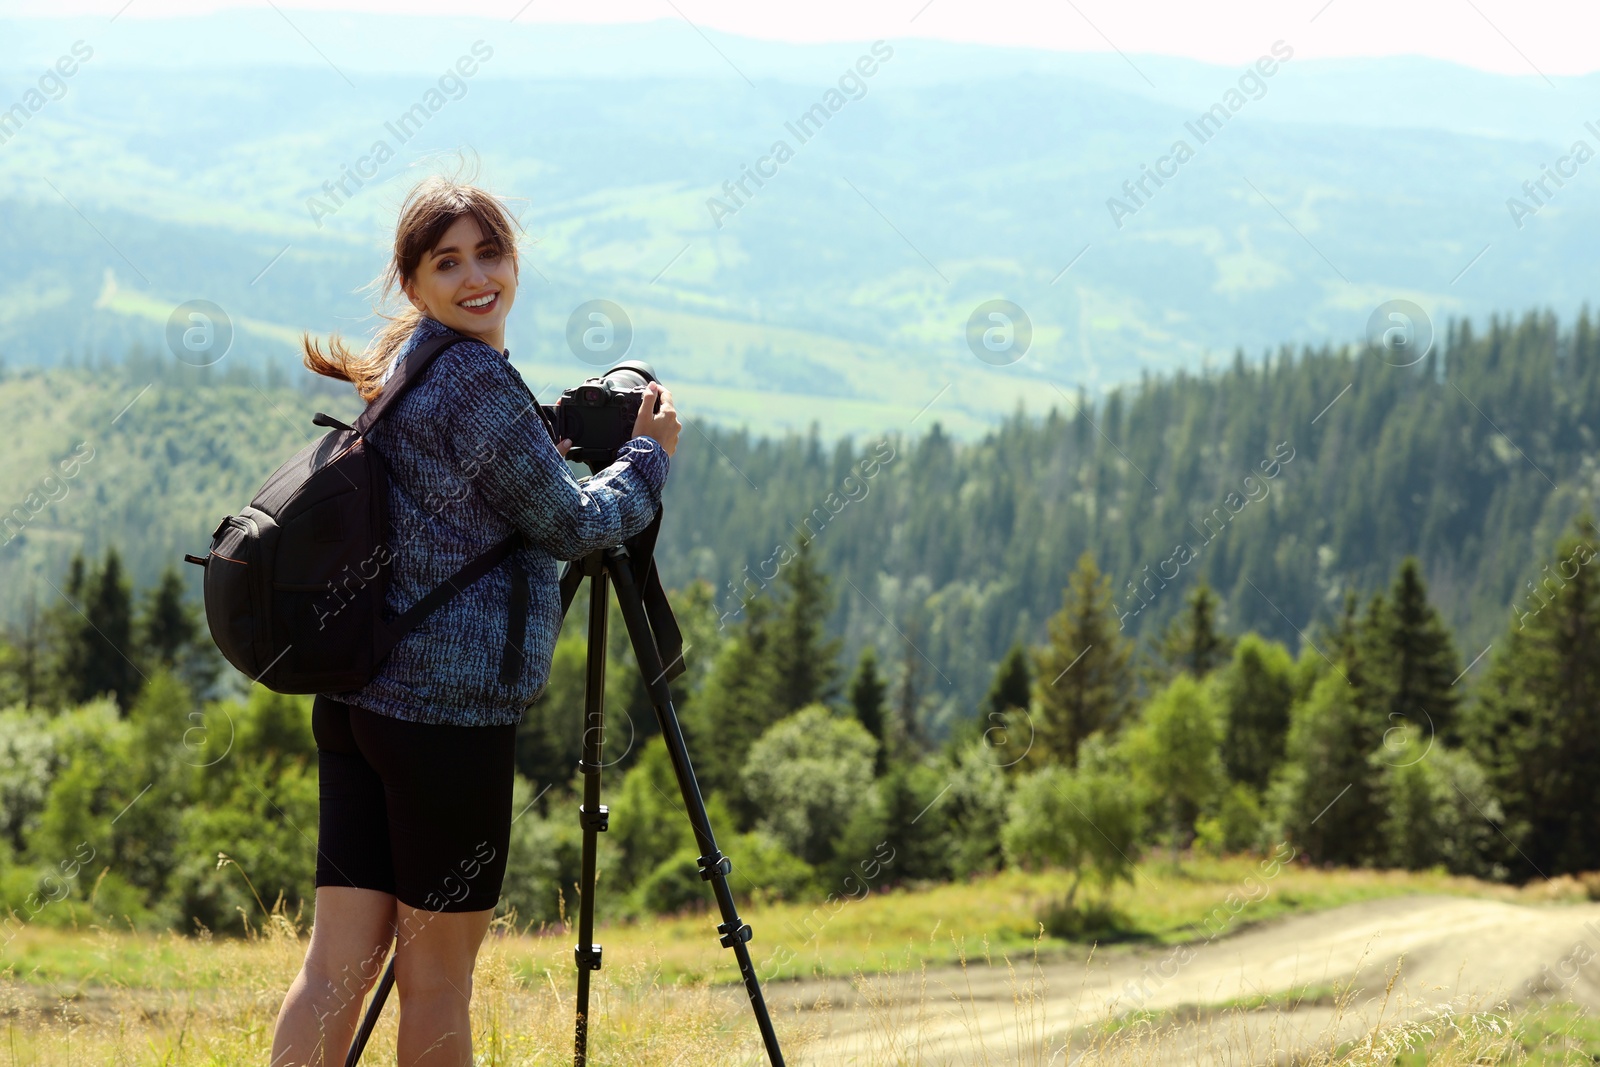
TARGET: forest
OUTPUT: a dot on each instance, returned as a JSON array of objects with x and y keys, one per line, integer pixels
[
  {"x": 139, "y": 785},
  {"x": 1474, "y": 460}
]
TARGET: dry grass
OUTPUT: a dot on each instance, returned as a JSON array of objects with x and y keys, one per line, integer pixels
[
  {"x": 667, "y": 995},
  {"x": 214, "y": 1003}
]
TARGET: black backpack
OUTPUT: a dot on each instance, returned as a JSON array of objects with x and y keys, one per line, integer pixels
[{"x": 295, "y": 583}]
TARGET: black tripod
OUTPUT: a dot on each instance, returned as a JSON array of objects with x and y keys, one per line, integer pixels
[{"x": 652, "y": 630}]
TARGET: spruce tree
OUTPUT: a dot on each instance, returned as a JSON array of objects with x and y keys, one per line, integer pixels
[
  {"x": 171, "y": 635},
  {"x": 1412, "y": 660},
  {"x": 25, "y": 662},
  {"x": 1537, "y": 729},
  {"x": 1191, "y": 642},
  {"x": 109, "y": 609},
  {"x": 1084, "y": 683},
  {"x": 1256, "y": 691},
  {"x": 908, "y": 739},
  {"x": 740, "y": 700},
  {"x": 93, "y": 635},
  {"x": 1342, "y": 642},
  {"x": 1327, "y": 790},
  {"x": 867, "y": 692},
  {"x": 1011, "y": 685},
  {"x": 806, "y": 660},
  {"x": 167, "y": 625}
]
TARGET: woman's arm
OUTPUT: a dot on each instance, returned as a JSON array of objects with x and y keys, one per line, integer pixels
[{"x": 500, "y": 444}]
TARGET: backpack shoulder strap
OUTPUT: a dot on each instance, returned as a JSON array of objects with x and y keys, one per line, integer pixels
[
  {"x": 447, "y": 591},
  {"x": 408, "y": 373}
]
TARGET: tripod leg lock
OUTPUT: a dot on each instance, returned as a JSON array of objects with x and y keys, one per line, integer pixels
[
  {"x": 713, "y": 865},
  {"x": 589, "y": 956},
  {"x": 734, "y": 933},
  {"x": 599, "y": 820}
]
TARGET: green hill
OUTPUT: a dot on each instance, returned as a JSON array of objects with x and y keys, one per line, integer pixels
[
  {"x": 1284, "y": 485},
  {"x": 181, "y": 161}
]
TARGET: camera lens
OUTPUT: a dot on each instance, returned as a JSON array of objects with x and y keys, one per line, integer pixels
[{"x": 630, "y": 374}]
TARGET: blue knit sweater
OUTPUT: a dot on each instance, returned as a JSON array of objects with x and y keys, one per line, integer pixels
[{"x": 470, "y": 462}]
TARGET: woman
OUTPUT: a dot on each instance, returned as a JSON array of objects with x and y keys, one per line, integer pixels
[{"x": 416, "y": 767}]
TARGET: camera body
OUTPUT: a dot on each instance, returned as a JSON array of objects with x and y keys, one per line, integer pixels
[{"x": 598, "y": 415}]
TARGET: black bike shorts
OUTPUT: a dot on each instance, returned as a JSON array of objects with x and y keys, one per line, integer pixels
[{"x": 418, "y": 810}]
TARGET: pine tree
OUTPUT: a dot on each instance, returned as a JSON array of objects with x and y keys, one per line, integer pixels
[
  {"x": 94, "y": 635},
  {"x": 167, "y": 625},
  {"x": 110, "y": 611},
  {"x": 1327, "y": 789},
  {"x": 1191, "y": 642},
  {"x": 1084, "y": 682},
  {"x": 1537, "y": 730},
  {"x": 25, "y": 661},
  {"x": 1256, "y": 691},
  {"x": 908, "y": 739},
  {"x": 867, "y": 692},
  {"x": 806, "y": 660},
  {"x": 1011, "y": 685},
  {"x": 740, "y": 700},
  {"x": 1412, "y": 660},
  {"x": 170, "y": 634},
  {"x": 1341, "y": 642}
]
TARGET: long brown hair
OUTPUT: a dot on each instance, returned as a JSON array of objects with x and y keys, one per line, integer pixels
[{"x": 430, "y": 209}]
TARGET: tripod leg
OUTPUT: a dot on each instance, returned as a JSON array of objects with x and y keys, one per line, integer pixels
[
  {"x": 714, "y": 866},
  {"x": 370, "y": 1021},
  {"x": 592, "y": 815}
]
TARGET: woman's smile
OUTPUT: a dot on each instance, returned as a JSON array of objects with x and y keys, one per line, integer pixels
[{"x": 481, "y": 305}]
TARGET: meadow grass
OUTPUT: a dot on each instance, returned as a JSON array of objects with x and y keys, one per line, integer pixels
[{"x": 668, "y": 994}]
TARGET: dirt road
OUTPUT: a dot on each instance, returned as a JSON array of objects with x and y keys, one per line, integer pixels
[{"x": 1456, "y": 952}]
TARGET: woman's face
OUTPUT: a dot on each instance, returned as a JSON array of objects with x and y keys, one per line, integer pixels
[{"x": 466, "y": 283}]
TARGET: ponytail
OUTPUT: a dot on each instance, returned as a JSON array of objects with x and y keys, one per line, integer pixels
[{"x": 364, "y": 370}]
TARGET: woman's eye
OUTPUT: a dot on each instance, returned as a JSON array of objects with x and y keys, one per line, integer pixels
[
  {"x": 446, "y": 264},
  {"x": 490, "y": 253}
]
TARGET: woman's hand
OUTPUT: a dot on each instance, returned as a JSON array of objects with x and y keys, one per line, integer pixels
[
  {"x": 662, "y": 425},
  {"x": 562, "y": 446}
]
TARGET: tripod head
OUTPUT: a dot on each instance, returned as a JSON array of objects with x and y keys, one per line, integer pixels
[{"x": 637, "y": 553}]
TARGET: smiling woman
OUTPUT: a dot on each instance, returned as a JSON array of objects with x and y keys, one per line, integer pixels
[
  {"x": 428, "y": 269},
  {"x": 415, "y": 767}
]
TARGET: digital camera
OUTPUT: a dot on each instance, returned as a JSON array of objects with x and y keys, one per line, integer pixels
[{"x": 598, "y": 416}]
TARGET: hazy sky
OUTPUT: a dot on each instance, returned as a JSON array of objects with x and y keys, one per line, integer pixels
[{"x": 1505, "y": 36}]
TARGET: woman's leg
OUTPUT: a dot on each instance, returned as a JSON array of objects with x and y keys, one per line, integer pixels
[
  {"x": 350, "y": 937},
  {"x": 434, "y": 957},
  {"x": 447, "y": 795}
]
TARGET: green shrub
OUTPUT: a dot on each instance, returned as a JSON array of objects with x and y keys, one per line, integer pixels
[
  {"x": 975, "y": 810},
  {"x": 762, "y": 870},
  {"x": 1085, "y": 822},
  {"x": 542, "y": 866},
  {"x": 266, "y": 826},
  {"x": 805, "y": 775},
  {"x": 1237, "y": 825}
]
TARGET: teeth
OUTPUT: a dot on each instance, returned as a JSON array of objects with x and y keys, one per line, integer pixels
[{"x": 478, "y": 302}]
